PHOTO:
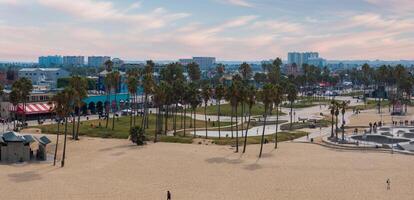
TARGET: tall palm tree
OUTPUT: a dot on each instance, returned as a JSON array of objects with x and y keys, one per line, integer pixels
[
  {"x": 343, "y": 110},
  {"x": 80, "y": 86},
  {"x": 116, "y": 77},
  {"x": 132, "y": 83},
  {"x": 332, "y": 108},
  {"x": 58, "y": 103},
  {"x": 206, "y": 95},
  {"x": 219, "y": 93},
  {"x": 195, "y": 100},
  {"x": 108, "y": 88},
  {"x": 277, "y": 100},
  {"x": 159, "y": 99},
  {"x": 266, "y": 97},
  {"x": 148, "y": 85},
  {"x": 336, "y": 121},
  {"x": 292, "y": 93},
  {"x": 251, "y": 100},
  {"x": 22, "y": 89},
  {"x": 69, "y": 94}
]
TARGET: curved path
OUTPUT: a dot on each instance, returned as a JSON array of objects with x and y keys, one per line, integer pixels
[{"x": 309, "y": 113}]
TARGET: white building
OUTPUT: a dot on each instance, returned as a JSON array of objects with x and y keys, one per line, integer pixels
[
  {"x": 97, "y": 61},
  {"x": 43, "y": 76},
  {"x": 73, "y": 61}
]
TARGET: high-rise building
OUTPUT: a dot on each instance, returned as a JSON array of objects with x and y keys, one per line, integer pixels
[
  {"x": 302, "y": 58},
  {"x": 97, "y": 61},
  {"x": 50, "y": 61},
  {"x": 185, "y": 61},
  {"x": 73, "y": 61},
  {"x": 203, "y": 62}
]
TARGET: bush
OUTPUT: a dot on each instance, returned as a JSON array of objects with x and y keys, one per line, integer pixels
[{"x": 137, "y": 136}]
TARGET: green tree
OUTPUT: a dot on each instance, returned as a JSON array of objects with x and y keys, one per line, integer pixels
[
  {"x": 277, "y": 100},
  {"x": 251, "y": 100},
  {"x": 79, "y": 84},
  {"x": 219, "y": 93},
  {"x": 292, "y": 93},
  {"x": 266, "y": 96},
  {"x": 206, "y": 95}
]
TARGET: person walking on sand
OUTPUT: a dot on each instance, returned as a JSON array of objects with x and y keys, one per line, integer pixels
[
  {"x": 168, "y": 195},
  {"x": 388, "y": 184}
]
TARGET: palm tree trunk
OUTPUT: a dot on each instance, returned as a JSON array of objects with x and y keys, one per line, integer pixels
[
  {"x": 231, "y": 121},
  {"x": 73, "y": 126},
  {"x": 291, "y": 114},
  {"x": 166, "y": 120},
  {"x": 205, "y": 117},
  {"x": 277, "y": 124},
  {"x": 175, "y": 119},
  {"x": 247, "y": 129},
  {"x": 115, "y": 110},
  {"x": 336, "y": 126},
  {"x": 218, "y": 116},
  {"x": 157, "y": 126},
  {"x": 237, "y": 132},
  {"x": 130, "y": 114},
  {"x": 262, "y": 140},
  {"x": 62, "y": 164},
  {"x": 57, "y": 143},
  {"x": 77, "y": 127},
  {"x": 185, "y": 117},
  {"x": 107, "y": 108},
  {"x": 194, "y": 121},
  {"x": 332, "y": 127}
]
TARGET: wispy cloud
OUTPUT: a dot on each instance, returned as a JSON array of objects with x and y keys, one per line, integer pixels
[{"x": 242, "y": 3}]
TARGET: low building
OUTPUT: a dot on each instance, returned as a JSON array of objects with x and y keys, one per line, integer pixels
[
  {"x": 15, "y": 147},
  {"x": 43, "y": 76}
]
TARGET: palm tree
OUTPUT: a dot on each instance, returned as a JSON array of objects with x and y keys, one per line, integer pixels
[
  {"x": 132, "y": 83},
  {"x": 116, "y": 76},
  {"x": 336, "y": 121},
  {"x": 195, "y": 100},
  {"x": 251, "y": 100},
  {"x": 333, "y": 107},
  {"x": 68, "y": 94},
  {"x": 266, "y": 96},
  {"x": 344, "y": 105},
  {"x": 219, "y": 93},
  {"x": 148, "y": 84},
  {"x": 277, "y": 100},
  {"x": 159, "y": 99},
  {"x": 80, "y": 85},
  {"x": 22, "y": 89},
  {"x": 108, "y": 88},
  {"x": 58, "y": 107},
  {"x": 291, "y": 96},
  {"x": 206, "y": 94}
]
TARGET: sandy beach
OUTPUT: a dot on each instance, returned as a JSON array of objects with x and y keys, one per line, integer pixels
[{"x": 115, "y": 169}]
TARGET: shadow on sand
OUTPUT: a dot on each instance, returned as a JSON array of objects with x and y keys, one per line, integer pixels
[{"x": 25, "y": 176}]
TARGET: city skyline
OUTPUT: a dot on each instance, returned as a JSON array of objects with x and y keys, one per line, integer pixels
[{"x": 226, "y": 29}]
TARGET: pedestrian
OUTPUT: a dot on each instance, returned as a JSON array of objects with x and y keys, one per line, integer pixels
[
  {"x": 168, "y": 195},
  {"x": 388, "y": 184}
]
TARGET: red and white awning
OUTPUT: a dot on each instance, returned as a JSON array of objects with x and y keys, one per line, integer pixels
[{"x": 32, "y": 108}]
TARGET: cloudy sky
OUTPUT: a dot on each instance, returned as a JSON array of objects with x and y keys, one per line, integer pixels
[{"x": 226, "y": 29}]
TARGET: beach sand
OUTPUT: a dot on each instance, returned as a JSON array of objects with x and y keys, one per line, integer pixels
[{"x": 115, "y": 169}]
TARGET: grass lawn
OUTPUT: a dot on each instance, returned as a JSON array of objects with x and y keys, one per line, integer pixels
[
  {"x": 225, "y": 110},
  {"x": 91, "y": 128},
  {"x": 281, "y": 137},
  {"x": 371, "y": 104},
  {"x": 301, "y": 125},
  {"x": 305, "y": 102}
]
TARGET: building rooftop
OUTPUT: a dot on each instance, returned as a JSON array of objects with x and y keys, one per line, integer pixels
[{"x": 41, "y": 69}]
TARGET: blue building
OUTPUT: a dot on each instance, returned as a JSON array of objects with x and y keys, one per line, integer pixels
[{"x": 50, "y": 61}]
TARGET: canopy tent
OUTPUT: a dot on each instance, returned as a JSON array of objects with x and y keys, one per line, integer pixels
[{"x": 32, "y": 108}]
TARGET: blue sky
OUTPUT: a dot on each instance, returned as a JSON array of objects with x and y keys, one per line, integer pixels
[{"x": 226, "y": 29}]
